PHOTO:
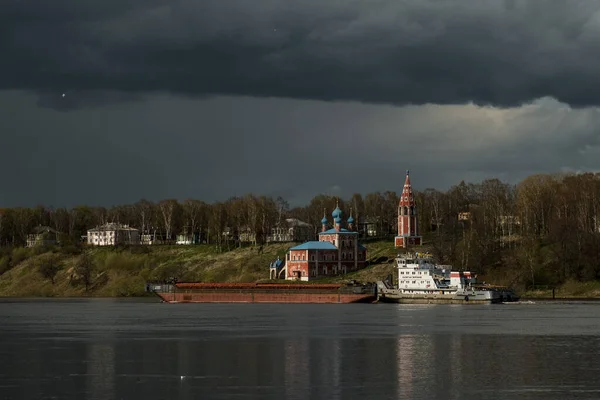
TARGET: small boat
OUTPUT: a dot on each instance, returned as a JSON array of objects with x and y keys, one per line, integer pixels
[{"x": 420, "y": 280}]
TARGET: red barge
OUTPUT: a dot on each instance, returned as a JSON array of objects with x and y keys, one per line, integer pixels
[{"x": 192, "y": 292}]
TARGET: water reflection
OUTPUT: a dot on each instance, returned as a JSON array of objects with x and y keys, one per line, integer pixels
[
  {"x": 405, "y": 348},
  {"x": 297, "y": 361},
  {"x": 100, "y": 371},
  {"x": 109, "y": 350}
]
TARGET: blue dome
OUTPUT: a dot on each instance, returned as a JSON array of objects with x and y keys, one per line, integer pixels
[
  {"x": 324, "y": 221},
  {"x": 338, "y": 220},
  {"x": 350, "y": 220},
  {"x": 336, "y": 213}
]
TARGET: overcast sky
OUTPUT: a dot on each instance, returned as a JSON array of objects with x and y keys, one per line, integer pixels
[{"x": 215, "y": 98}]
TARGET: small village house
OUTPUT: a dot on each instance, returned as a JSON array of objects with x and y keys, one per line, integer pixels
[
  {"x": 292, "y": 230},
  {"x": 187, "y": 238},
  {"x": 42, "y": 236},
  {"x": 152, "y": 236},
  {"x": 368, "y": 228},
  {"x": 464, "y": 216},
  {"x": 247, "y": 235}
]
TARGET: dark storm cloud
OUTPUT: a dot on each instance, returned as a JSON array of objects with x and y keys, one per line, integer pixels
[
  {"x": 427, "y": 51},
  {"x": 211, "y": 149}
]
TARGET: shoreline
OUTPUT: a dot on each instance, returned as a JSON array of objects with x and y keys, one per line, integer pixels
[{"x": 154, "y": 299}]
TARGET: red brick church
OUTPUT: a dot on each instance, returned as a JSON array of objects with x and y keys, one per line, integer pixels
[
  {"x": 336, "y": 252},
  {"x": 408, "y": 222}
]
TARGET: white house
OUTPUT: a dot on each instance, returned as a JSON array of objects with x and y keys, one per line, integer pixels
[{"x": 112, "y": 234}]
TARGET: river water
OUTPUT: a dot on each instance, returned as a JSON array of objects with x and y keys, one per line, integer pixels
[{"x": 140, "y": 349}]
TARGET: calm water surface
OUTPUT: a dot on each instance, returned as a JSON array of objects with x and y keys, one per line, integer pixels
[{"x": 115, "y": 349}]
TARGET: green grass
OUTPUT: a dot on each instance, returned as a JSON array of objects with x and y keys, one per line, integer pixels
[
  {"x": 568, "y": 290},
  {"x": 123, "y": 272}
]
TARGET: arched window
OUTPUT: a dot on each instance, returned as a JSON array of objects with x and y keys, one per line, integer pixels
[{"x": 405, "y": 210}]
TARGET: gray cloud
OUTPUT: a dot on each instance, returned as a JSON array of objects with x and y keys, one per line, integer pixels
[
  {"x": 211, "y": 149},
  {"x": 446, "y": 52}
]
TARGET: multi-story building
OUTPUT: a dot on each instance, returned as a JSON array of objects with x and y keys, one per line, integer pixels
[
  {"x": 336, "y": 252},
  {"x": 112, "y": 234}
]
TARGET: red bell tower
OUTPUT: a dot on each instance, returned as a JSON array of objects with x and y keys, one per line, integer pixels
[{"x": 408, "y": 226}]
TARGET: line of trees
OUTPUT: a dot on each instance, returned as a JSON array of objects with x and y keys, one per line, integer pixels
[{"x": 547, "y": 227}]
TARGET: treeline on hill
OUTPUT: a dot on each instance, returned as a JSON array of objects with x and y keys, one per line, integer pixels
[{"x": 545, "y": 230}]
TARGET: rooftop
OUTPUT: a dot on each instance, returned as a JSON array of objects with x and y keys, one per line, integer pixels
[
  {"x": 43, "y": 229},
  {"x": 314, "y": 245},
  {"x": 333, "y": 230},
  {"x": 112, "y": 226},
  {"x": 296, "y": 222}
]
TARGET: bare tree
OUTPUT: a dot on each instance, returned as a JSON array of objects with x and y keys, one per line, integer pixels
[
  {"x": 144, "y": 210},
  {"x": 167, "y": 209},
  {"x": 283, "y": 207},
  {"x": 192, "y": 211},
  {"x": 218, "y": 218},
  {"x": 23, "y": 222},
  {"x": 84, "y": 269},
  {"x": 49, "y": 267}
]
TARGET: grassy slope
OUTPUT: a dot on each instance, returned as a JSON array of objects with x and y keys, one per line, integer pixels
[{"x": 123, "y": 272}]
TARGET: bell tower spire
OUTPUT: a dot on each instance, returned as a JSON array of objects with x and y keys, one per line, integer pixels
[{"x": 408, "y": 224}]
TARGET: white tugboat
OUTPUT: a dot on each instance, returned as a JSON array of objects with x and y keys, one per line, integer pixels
[{"x": 420, "y": 280}]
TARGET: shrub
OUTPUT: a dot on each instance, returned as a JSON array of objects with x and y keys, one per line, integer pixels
[
  {"x": 84, "y": 269},
  {"x": 139, "y": 249},
  {"x": 70, "y": 249},
  {"x": 18, "y": 255},
  {"x": 4, "y": 264},
  {"x": 49, "y": 267}
]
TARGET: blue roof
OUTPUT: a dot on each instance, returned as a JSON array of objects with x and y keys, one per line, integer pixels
[
  {"x": 338, "y": 220},
  {"x": 343, "y": 230},
  {"x": 336, "y": 213},
  {"x": 350, "y": 220},
  {"x": 314, "y": 245},
  {"x": 324, "y": 220}
]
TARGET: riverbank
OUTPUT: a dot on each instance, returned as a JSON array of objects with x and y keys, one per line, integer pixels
[
  {"x": 568, "y": 291},
  {"x": 123, "y": 272}
]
